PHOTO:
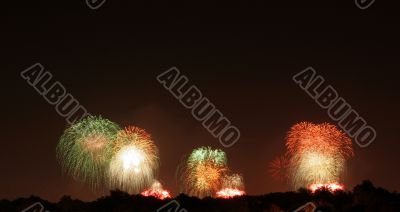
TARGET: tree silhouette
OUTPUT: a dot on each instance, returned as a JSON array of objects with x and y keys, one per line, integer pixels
[{"x": 364, "y": 197}]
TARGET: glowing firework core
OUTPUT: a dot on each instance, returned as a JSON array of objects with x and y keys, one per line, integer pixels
[
  {"x": 133, "y": 166},
  {"x": 131, "y": 158}
]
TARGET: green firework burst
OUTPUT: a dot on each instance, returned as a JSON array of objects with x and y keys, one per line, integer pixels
[{"x": 85, "y": 149}]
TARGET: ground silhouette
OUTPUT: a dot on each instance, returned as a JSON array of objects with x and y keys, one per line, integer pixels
[{"x": 364, "y": 197}]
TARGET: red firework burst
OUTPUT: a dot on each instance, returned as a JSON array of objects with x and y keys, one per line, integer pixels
[
  {"x": 278, "y": 167},
  {"x": 325, "y": 137}
]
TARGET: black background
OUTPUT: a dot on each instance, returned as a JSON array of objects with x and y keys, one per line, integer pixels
[{"x": 242, "y": 56}]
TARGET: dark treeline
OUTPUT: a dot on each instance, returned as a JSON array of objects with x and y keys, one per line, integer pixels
[{"x": 364, "y": 197}]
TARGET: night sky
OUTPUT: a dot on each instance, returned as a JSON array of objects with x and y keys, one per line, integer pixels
[{"x": 242, "y": 57}]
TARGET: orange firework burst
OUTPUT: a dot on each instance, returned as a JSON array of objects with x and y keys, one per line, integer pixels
[
  {"x": 320, "y": 137},
  {"x": 157, "y": 191},
  {"x": 317, "y": 154},
  {"x": 203, "y": 172}
]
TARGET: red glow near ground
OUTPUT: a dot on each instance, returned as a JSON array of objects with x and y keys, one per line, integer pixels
[
  {"x": 157, "y": 191},
  {"x": 227, "y": 193},
  {"x": 159, "y": 194},
  {"x": 332, "y": 187}
]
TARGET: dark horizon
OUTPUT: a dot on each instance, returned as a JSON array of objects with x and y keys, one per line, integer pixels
[
  {"x": 242, "y": 58},
  {"x": 364, "y": 197}
]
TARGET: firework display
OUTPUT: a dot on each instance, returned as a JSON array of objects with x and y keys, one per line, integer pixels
[
  {"x": 135, "y": 160},
  {"x": 317, "y": 154},
  {"x": 157, "y": 191},
  {"x": 85, "y": 149},
  {"x": 204, "y": 172},
  {"x": 98, "y": 152}
]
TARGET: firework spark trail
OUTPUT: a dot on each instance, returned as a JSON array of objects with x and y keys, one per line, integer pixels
[
  {"x": 85, "y": 148},
  {"x": 315, "y": 167},
  {"x": 133, "y": 166},
  {"x": 204, "y": 172},
  {"x": 233, "y": 181},
  {"x": 318, "y": 153}
]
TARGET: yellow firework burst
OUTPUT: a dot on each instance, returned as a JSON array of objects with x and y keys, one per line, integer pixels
[{"x": 133, "y": 166}]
